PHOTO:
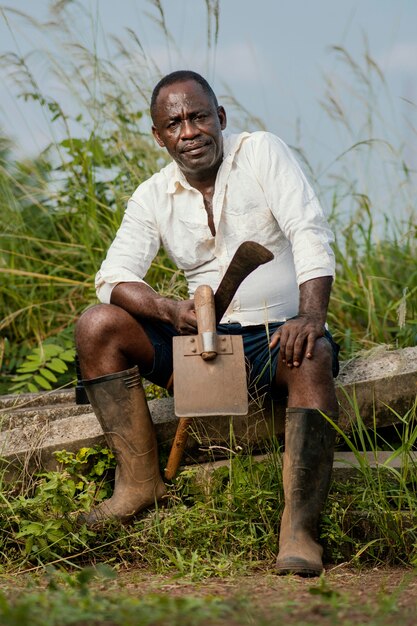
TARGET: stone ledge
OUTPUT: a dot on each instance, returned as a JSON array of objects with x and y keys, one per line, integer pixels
[
  {"x": 346, "y": 465},
  {"x": 377, "y": 388}
]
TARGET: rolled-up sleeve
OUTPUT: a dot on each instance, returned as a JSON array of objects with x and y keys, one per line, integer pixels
[
  {"x": 296, "y": 209},
  {"x": 131, "y": 253}
]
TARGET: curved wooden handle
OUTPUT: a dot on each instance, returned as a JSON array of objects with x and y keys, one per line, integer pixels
[
  {"x": 246, "y": 259},
  {"x": 177, "y": 448}
]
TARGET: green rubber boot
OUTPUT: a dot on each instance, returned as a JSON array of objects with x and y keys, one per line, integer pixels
[
  {"x": 119, "y": 402},
  {"x": 308, "y": 463}
]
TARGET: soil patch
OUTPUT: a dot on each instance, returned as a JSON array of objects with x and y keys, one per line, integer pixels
[{"x": 344, "y": 596}]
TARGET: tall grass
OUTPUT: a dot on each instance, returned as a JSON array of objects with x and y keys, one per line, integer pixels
[
  {"x": 374, "y": 300},
  {"x": 60, "y": 210},
  {"x": 371, "y": 518},
  {"x": 220, "y": 523},
  {"x": 371, "y": 190}
]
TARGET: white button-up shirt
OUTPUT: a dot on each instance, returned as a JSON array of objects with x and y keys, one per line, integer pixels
[{"x": 260, "y": 195}]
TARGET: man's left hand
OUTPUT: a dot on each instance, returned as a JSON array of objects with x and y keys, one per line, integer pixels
[{"x": 297, "y": 337}]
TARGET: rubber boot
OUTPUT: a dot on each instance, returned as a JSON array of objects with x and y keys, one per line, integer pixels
[
  {"x": 119, "y": 402},
  {"x": 308, "y": 462}
]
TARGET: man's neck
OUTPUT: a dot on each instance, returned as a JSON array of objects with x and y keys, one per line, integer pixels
[
  {"x": 204, "y": 182},
  {"x": 205, "y": 186}
]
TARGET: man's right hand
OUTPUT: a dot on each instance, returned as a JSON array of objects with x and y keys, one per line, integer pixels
[
  {"x": 140, "y": 300},
  {"x": 183, "y": 317}
]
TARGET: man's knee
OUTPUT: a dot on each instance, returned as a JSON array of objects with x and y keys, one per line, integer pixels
[
  {"x": 323, "y": 353},
  {"x": 319, "y": 367},
  {"x": 98, "y": 321}
]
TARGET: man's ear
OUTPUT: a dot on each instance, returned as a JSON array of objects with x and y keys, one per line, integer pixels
[
  {"x": 221, "y": 113},
  {"x": 157, "y": 136}
]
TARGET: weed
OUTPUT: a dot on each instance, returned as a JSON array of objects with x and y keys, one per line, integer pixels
[
  {"x": 88, "y": 464},
  {"x": 71, "y": 599},
  {"x": 372, "y": 518},
  {"x": 42, "y": 368},
  {"x": 61, "y": 209}
]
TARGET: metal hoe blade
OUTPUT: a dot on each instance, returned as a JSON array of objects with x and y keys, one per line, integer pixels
[{"x": 215, "y": 387}]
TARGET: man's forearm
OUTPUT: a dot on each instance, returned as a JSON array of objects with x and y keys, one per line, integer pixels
[
  {"x": 140, "y": 300},
  {"x": 314, "y": 298}
]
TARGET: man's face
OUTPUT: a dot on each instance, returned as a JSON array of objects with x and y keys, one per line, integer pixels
[{"x": 189, "y": 125}]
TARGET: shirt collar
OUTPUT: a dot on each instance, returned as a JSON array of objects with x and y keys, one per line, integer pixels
[{"x": 231, "y": 144}]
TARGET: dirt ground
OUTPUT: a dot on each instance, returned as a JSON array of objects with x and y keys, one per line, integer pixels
[{"x": 344, "y": 595}]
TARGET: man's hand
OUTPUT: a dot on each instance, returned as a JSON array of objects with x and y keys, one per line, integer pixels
[
  {"x": 297, "y": 337},
  {"x": 140, "y": 300},
  {"x": 183, "y": 317}
]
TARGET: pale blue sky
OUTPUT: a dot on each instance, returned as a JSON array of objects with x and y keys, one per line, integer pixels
[{"x": 272, "y": 55}]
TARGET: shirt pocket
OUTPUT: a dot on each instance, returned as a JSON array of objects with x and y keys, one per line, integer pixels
[
  {"x": 191, "y": 245},
  {"x": 248, "y": 218}
]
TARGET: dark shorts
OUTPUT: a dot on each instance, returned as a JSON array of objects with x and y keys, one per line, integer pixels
[{"x": 261, "y": 360}]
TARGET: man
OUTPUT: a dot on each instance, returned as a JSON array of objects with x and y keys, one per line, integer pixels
[{"x": 216, "y": 193}]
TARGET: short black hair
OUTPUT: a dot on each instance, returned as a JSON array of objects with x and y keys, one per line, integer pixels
[{"x": 178, "y": 77}]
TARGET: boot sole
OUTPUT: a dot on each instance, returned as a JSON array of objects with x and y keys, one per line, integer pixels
[
  {"x": 305, "y": 573},
  {"x": 299, "y": 569}
]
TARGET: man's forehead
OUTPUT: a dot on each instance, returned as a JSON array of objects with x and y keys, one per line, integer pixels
[{"x": 183, "y": 92}]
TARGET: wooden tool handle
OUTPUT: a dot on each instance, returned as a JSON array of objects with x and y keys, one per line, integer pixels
[
  {"x": 177, "y": 448},
  {"x": 204, "y": 308},
  {"x": 246, "y": 259},
  {"x": 206, "y": 320},
  {"x": 210, "y": 310}
]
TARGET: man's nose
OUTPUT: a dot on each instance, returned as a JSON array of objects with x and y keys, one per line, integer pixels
[{"x": 188, "y": 129}]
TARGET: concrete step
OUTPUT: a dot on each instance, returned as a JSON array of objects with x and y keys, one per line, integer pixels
[
  {"x": 30, "y": 416},
  {"x": 346, "y": 464},
  {"x": 380, "y": 387},
  {"x": 44, "y": 398}
]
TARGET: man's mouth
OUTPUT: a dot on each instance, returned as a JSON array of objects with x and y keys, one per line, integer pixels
[{"x": 195, "y": 148}]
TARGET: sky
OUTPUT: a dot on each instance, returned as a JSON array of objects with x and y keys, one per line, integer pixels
[{"x": 276, "y": 58}]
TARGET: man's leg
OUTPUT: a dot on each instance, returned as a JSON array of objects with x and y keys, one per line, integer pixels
[
  {"x": 308, "y": 458},
  {"x": 112, "y": 348},
  {"x": 110, "y": 340}
]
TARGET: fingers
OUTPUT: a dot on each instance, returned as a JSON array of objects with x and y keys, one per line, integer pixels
[
  {"x": 186, "y": 320},
  {"x": 297, "y": 351},
  {"x": 311, "y": 340},
  {"x": 187, "y": 325},
  {"x": 286, "y": 348},
  {"x": 187, "y": 328},
  {"x": 297, "y": 339},
  {"x": 289, "y": 339},
  {"x": 275, "y": 338}
]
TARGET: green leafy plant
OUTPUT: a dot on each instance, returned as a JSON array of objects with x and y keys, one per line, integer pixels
[
  {"x": 41, "y": 522},
  {"x": 45, "y": 520},
  {"x": 73, "y": 598},
  {"x": 372, "y": 518},
  {"x": 43, "y": 368},
  {"x": 89, "y": 465}
]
